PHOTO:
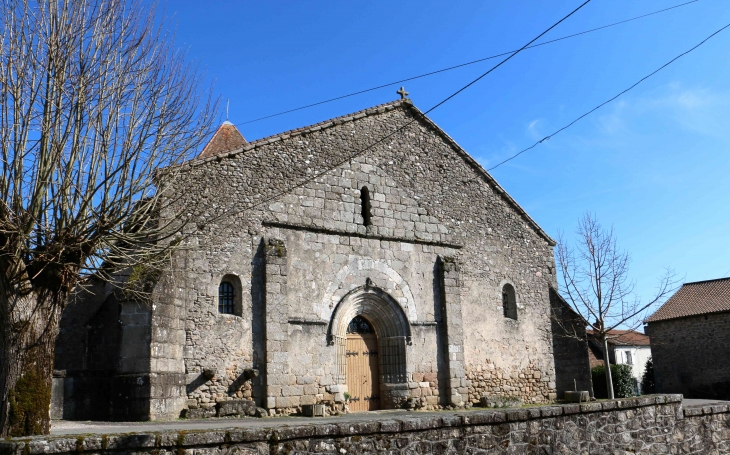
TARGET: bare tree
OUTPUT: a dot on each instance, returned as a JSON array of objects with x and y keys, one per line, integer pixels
[
  {"x": 595, "y": 276},
  {"x": 93, "y": 100}
]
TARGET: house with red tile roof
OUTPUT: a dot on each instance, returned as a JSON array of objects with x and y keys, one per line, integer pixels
[
  {"x": 690, "y": 341},
  {"x": 626, "y": 347}
]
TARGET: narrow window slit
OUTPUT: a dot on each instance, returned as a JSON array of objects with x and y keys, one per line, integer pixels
[
  {"x": 509, "y": 302},
  {"x": 365, "y": 206}
]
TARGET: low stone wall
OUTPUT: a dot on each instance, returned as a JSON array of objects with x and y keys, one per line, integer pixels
[{"x": 653, "y": 424}]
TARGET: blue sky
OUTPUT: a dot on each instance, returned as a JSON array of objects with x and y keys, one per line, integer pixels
[{"x": 655, "y": 164}]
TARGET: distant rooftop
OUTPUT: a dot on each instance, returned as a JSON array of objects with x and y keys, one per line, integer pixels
[
  {"x": 625, "y": 337},
  {"x": 697, "y": 298}
]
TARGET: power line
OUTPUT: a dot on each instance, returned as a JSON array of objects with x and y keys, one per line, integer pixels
[
  {"x": 389, "y": 84},
  {"x": 362, "y": 151},
  {"x": 608, "y": 101}
]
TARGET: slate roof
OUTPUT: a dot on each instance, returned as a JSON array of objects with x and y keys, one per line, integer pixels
[
  {"x": 225, "y": 139},
  {"x": 697, "y": 298},
  {"x": 625, "y": 338}
]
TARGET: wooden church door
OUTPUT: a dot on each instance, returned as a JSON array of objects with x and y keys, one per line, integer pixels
[{"x": 363, "y": 371}]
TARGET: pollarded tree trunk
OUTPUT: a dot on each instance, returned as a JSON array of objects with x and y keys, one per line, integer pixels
[{"x": 27, "y": 343}]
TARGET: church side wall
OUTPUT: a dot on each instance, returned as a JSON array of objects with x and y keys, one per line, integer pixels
[{"x": 215, "y": 344}]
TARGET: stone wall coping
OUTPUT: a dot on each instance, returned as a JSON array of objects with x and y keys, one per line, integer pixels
[{"x": 385, "y": 424}]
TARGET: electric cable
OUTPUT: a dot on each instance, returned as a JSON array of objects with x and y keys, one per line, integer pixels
[
  {"x": 367, "y": 148},
  {"x": 431, "y": 73},
  {"x": 609, "y": 100}
]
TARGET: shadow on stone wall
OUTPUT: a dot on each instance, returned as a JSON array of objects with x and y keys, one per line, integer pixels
[
  {"x": 570, "y": 347},
  {"x": 258, "y": 322},
  {"x": 442, "y": 351}
]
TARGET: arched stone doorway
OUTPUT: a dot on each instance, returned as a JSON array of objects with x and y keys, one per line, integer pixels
[{"x": 392, "y": 333}]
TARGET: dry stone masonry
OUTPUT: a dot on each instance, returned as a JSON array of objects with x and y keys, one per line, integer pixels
[
  {"x": 647, "y": 425},
  {"x": 315, "y": 226}
]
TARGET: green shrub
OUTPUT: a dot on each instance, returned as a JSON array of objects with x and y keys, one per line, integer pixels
[
  {"x": 647, "y": 380},
  {"x": 623, "y": 381}
]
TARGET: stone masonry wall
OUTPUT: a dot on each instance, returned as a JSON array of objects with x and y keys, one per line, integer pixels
[
  {"x": 304, "y": 367},
  {"x": 428, "y": 198},
  {"x": 687, "y": 356},
  {"x": 647, "y": 425},
  {"x": 570, "y": 347}
]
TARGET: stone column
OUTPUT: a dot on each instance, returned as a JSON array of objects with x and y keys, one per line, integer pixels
[
  {"x": 277, "y": 344},
  {"x": 452, "y": 325}
]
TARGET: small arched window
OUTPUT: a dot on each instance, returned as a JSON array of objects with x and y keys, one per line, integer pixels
[
  {"x": 226, "y": 298},
  {"x": 509, "y": 302},
  {"x": 365, "y": 206}
]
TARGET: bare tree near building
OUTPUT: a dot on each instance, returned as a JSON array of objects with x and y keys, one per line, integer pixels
[
  {"x": 93, "y": 100},
  {"x": 596, "y": 284}
]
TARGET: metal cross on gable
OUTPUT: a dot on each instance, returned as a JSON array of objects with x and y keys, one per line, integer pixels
[{"x": 402, "y": 92}]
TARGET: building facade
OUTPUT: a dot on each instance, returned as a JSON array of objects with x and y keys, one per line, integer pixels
[
  {"x": 690, "y": 341},
  {"x": 367, "y": 259},
  {"x": 625, "y": 347}
]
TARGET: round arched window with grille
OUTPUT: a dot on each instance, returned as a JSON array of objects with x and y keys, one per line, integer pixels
[{"x": 226, "y": 298}]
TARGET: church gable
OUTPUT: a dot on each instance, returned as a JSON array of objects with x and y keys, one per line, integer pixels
[{"x": 295, "y": 162}]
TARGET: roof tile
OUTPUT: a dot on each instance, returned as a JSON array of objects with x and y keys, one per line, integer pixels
[
  {"x": 692, "y": 299},
  {"x": 625, "y": 337},
  {"x": 226, "y": 138}
]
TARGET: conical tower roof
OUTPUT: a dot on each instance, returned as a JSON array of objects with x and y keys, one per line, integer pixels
[{"x": 225, "y": 139}]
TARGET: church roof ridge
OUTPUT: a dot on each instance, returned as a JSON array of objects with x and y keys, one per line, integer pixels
[{"x": 377, "y": 109}]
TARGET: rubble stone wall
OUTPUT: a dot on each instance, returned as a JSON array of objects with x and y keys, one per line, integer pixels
[
  {"x": 686, "y": 353},
  {"x": 647, "y": 425}
]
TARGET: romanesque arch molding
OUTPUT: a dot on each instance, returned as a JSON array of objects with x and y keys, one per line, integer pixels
[
  {"x": 390, "y": 324},
  {"x": 362, "y": 267}
]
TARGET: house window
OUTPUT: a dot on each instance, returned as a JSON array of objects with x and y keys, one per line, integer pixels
[
  {"x": 365, "y": 206},
  {"x": 509, "y": 302},
  {"x": 226, "y": 298},
  {"x": 629, "y": 360}
]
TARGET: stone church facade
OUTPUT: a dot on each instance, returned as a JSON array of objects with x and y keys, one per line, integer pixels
[{"x": 366, "y": 259}]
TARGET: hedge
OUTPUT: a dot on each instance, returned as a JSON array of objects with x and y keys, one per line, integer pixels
[
  {"x": 647, "y": 380},
  {"x": 623, "y": 381}
]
